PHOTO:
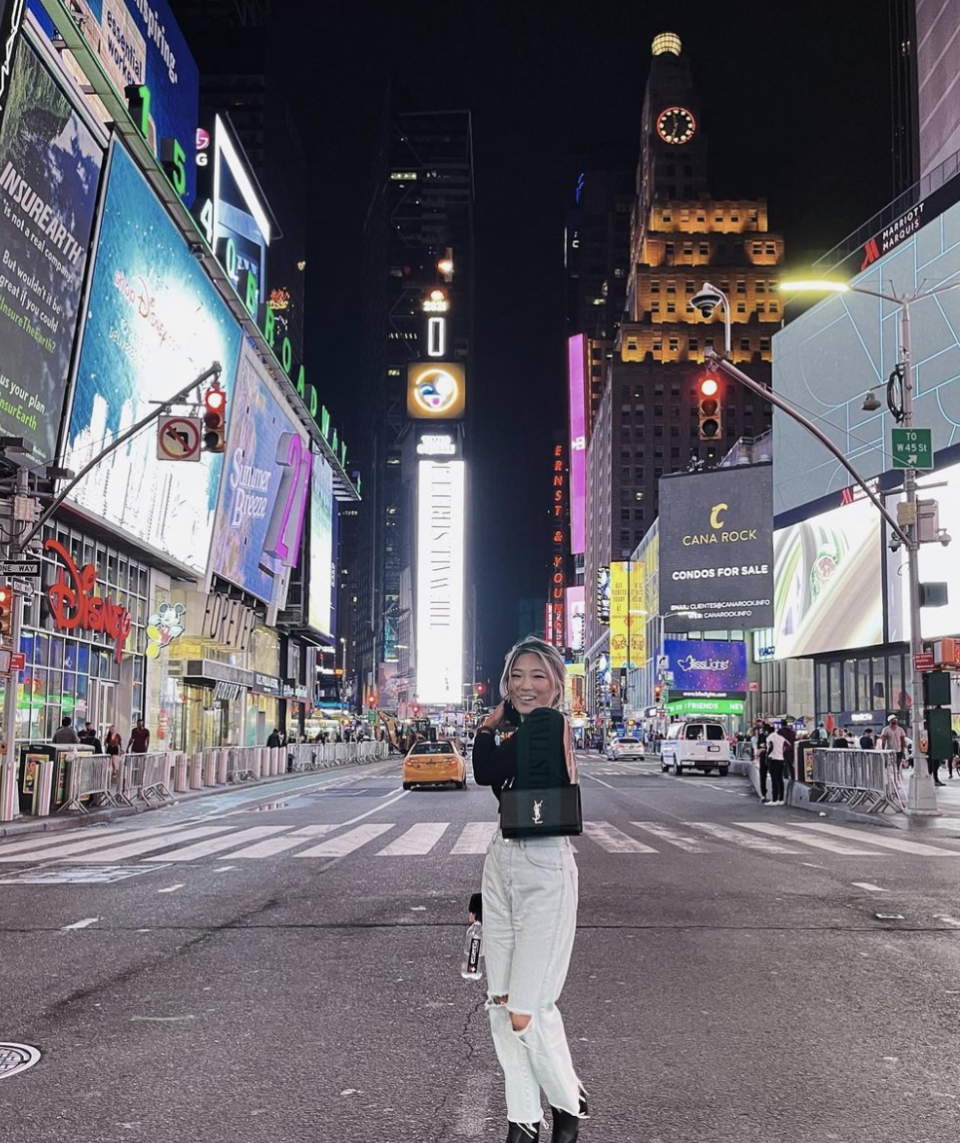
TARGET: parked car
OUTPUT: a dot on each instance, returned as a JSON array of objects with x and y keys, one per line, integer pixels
[
  {"x": 433, "y": 764},
  {"x": 698, "y": 744},
  {"x": 625, "y": 747}
]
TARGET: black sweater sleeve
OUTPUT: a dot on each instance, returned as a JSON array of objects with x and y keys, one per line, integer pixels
[{"x": 492, "y": 764}]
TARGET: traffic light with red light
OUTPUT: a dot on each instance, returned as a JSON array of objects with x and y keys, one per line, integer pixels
[
  {"x": 215, "y": 419},
  {"x": 709, "y": 409},
  {"x": 657, "y": 691},
  {"x": 481, "y": 688},
  {"x": 6, "y": 613}
]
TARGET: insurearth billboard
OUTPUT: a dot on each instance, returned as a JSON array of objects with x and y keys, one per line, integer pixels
[{"x": 716, "y": 549}]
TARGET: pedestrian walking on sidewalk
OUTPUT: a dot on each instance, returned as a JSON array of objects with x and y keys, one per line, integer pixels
[
  {"x": 776, "y": 752},
  {"x": 894, "y": 737},
  {"x": 762, "y": 732},
  {"x": 530, "y": 894},
  {"x": 67, "y": 732}
]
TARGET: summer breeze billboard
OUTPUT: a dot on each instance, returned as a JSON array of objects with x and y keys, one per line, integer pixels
[
  {"x": 154, "y": 320},
  {"x": 49, "y": 173},
  {"x": 264, "y": 490},
  {"x": 716, "y": 549}
]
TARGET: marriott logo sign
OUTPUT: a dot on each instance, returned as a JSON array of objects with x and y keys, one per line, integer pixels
[{"x": 439, "y": 600}]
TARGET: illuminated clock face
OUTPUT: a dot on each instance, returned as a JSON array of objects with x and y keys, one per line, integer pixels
[{"x": 676, "y": 125}]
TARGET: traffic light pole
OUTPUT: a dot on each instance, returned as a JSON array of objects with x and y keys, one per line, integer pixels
[{"x": 18, "y": 543}]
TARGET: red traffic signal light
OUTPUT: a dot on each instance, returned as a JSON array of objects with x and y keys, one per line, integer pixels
[
  {"x": 709, "y": 409},
  {"x": 481, "y": 688},
  {"x": 6, "y": 612},
  {"x": 657, "y": 691},
  {"x": 215, "y": 419}
]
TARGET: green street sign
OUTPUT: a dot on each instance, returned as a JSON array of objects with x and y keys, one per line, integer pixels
[
  {"x": 912, "y": 448},
  {"x": 705, "y": 706}
]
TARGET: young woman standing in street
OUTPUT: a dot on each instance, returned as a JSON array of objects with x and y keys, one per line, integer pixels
[{"x": 530, "y": 893}]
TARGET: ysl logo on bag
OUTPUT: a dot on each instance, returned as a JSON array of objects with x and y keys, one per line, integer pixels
[{"x": 537, "y": 816}]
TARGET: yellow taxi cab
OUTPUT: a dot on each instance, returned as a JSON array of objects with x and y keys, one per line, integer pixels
[{"x": 431, "y": 763}]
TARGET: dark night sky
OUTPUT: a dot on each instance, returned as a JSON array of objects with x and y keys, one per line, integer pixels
[{"x": 796, "y": 107}]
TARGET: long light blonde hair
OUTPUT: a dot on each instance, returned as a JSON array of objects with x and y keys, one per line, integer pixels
[{"x": 547, "y": 654}]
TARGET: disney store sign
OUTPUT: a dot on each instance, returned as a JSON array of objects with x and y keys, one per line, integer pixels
[{"x": 74, "y": 603}]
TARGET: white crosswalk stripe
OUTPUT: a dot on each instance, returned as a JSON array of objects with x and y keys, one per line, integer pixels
[
  {"x": 274, "y": 845},
  {"x": 724, "y": 833},
  {"x": 138, "y": 848},
  {"x": 885, "y": 841},
  {"x": 347, "y": 842},
  {"x": 815, "y": 842},
  {"x": 219, "y": 844},
  {"x": 613, "y": 840},
  {"x": 417, "y": 841},
  {"x": 673, "y": 837},
  {"x": 474, "y": 838},
  {"x": 69, "y": 844}
]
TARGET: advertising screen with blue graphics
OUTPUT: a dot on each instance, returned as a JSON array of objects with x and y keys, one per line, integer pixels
[
  {"x": 154, "y": 320},
  {"x": 699, "y": 667}
]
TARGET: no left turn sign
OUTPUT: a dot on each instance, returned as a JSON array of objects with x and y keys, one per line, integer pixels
[{"x": 178, "y": 438}]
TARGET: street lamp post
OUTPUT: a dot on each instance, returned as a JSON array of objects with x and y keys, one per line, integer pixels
[{"x": 921, "y": 794}]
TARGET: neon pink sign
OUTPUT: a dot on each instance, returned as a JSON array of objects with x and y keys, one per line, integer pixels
[{"x": 577, "y": 377}]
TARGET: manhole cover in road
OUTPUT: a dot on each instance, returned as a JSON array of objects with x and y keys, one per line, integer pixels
[
  {"x": 78, "y": 875},
  {"x": 16, "y": 1058}
]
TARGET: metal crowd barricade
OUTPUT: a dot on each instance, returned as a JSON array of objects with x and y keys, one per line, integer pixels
[
  {"x": 88, "y": 776},
  {"x": 239, "y": 764},
  {"x": 156, "y": 777},
  {"x": 866, "y": 780}
]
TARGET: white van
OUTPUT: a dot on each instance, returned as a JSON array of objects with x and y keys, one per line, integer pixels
[{"x": 700, "y": 744}]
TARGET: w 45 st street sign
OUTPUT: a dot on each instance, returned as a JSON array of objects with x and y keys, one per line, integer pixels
[{"x": 912, "y": 448}]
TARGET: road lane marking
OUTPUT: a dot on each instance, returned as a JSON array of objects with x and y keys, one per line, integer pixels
[
  {"x": 313, "y": 830},
  {"x": 346, "y": 843},
  {"x": 613, "y": 840},
  {"x": 271, "y": 846},
  {"x": 815, "y": 842},
  {"x": 172, "y": 888},
  {"x": 374, "y": 810},
  {"x": 680, "y": 840},
  {"x": 218, "y": 844},
  {"x": 474, "y": 838},
  {"x": 136, "y": 848},
  {"x": 600, "y": 781},
  {"x": 950, "y": 921},
  {"x": 69, "y": 844},
  {"x": 742, "y": 839},
  {"x": 418, "y": 840},
  {"x": 868, "y": 886},
  {"x": 85, "y": 923},
  {"x": 915, "y": 847}
]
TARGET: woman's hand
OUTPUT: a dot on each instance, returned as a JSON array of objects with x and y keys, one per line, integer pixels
[{"x": 494, "y": 719}]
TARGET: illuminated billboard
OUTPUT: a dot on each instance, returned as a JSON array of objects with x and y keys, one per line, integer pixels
[
  {"x": 264, "y": 490},
  {"x": 576, "y": 618},
  {"x": 49, "y": 175},
  {"x": 138, "y": 43},
  {"x": 577, "y": 386},
  {"x": 716, "y": 550},
  {"x": 627, "y": 615},
  {"x": 827, "y": 572},
  {"x": 439, "y": 601},
  {"x": 712, "y": 669},
  {"x": 436, "y": 391},
  {"x": 320, "y": 596},
  {"x": 154, "y": 320}
]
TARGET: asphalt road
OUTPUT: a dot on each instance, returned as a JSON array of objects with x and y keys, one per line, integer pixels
[{"x": 289, "y": 971}]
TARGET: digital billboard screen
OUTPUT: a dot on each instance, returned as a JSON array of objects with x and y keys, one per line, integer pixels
[
  {"x": 716, "y": 549},
  {"x": 439, "y": 602},
  {"x": 717, "y": 669},
  {"x": 320, "y": 595},
  {"x": 828, "y": 572},
  {"x": 436, "y": 391},
  {"x": 138, "y": 43},
  {"x": 49, "y": 175},
  {"x": 154, "y": 320},
  {"x": 264, "y": 489},
  {"x": 576, "y": 379}
]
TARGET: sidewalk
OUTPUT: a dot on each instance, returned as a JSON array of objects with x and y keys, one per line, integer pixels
[{"x": 291, "y": 784}]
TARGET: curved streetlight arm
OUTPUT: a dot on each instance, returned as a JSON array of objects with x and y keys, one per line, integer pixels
[
  {"x": 214, "y": 371},
  {"x": 768, "y": 395}
]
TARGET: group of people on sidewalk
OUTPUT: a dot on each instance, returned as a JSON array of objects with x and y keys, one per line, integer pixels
[{"x": 112, "y": 742}]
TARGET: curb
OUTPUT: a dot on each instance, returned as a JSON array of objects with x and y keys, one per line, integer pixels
[{"x": 55, "y": 823}]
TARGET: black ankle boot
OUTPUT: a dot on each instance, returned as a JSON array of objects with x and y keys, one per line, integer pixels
[
  {"x": 566, "y": 1127},
  {"x": 523, "y": 1132}
]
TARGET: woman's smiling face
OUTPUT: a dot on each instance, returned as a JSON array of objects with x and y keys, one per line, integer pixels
[{"x": 531, "y": 683}]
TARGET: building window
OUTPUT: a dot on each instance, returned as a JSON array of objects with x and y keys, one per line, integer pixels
[
  {"x": 771, "y": 248},
  {"x": 741, "y": 286},
  {"x": 693, "y": 344},
  {"x": 674, "y": 344},
  {"x": 761, "y": 308},
  {"x": 764, "y": 344},
  {"x": 674, "y": 430},
  {"x": 745, "y": 344},
  {"x": 760, "y": 286},
  {"x": 774, "y": 307},
  {"x": 741, "y": 308},
  {"x": 654, "y": 286},
  {"x": 671, "y": 287},
  {"x": 671, "y": 308},
  {"x": 658, "y": 410}
]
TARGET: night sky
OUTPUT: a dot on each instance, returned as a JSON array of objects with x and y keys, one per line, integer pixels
[{"x": 796, "y": 107}]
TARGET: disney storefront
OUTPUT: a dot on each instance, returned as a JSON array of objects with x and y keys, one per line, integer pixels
[{"x": 83, "y": 637}]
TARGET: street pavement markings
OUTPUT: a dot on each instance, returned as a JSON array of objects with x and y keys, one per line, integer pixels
[
  {"x": 815, "y": 842},
  {"x": 613, "y": 840},
  {"x": 680, "y": 840},
  {"x": 136, "y": 848},
  {"x": 949, "y": 921},
  {"x": 172, "y": 888},
  {"x": 274, "y": 845},
  {"x": 218, "y": 844},
  {"x": 346, "y": 843},
  {"x": 69, "y": 845},
  {"x": 917, "y": 848},
  {"x": 474, "y": 838},
  {"x": 313, "y": 830},
  {"x": 84, "y": 924},
  {"x": 417, "y": 841},
  {"x": 867, "y": 885},
  {"x": 738, "y": 838}
]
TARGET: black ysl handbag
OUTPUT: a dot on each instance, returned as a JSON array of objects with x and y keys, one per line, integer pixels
[{"x": 542, "y": 801}]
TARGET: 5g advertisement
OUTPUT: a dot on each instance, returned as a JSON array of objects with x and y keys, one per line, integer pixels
[
  {"x": 154, "y": 320},
  {"x": 264, "y": 490},
  {"x": 49, "y": 174},
  {"x": 716, "y": 549}
]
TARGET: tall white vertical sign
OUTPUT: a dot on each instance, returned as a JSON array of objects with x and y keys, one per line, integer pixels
[{"x": 439, "y": 603}]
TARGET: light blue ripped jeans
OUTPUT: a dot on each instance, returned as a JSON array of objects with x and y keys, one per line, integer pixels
[{"x": 530, "y": 891}]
